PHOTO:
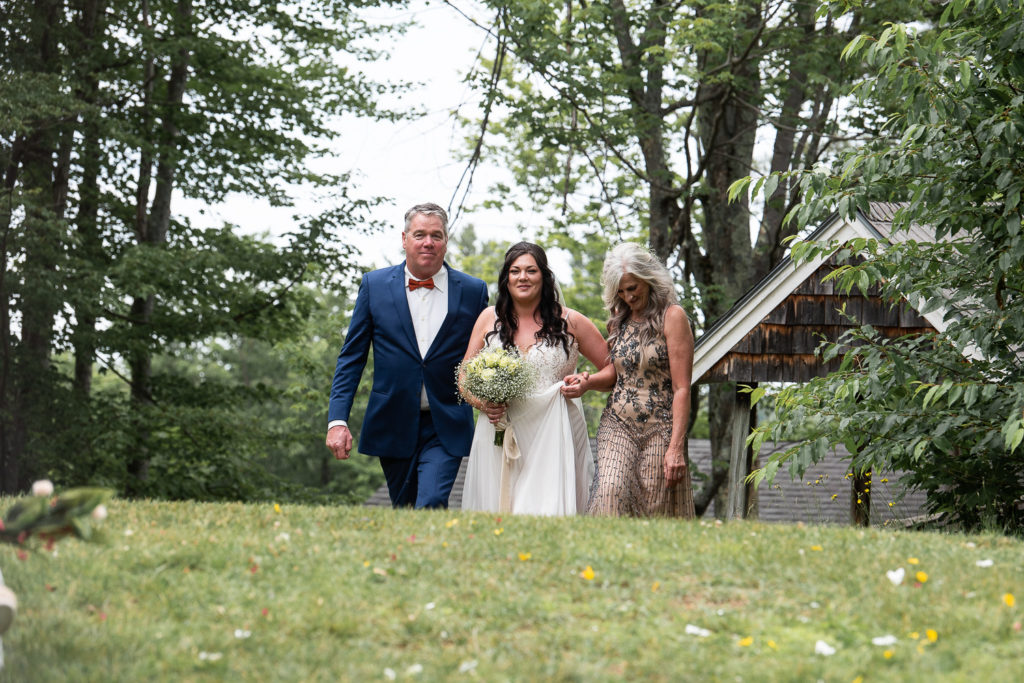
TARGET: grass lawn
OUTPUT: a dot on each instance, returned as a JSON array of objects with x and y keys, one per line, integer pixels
[{"x": 182, "y": 591}]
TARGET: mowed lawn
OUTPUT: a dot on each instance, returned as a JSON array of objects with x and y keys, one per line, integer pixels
[{"x": 183, "y": 591}]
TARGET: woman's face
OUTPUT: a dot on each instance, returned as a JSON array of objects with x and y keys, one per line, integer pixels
[
  {"x": 634, "y": 293},
  {"x": 524, "y": 279}
]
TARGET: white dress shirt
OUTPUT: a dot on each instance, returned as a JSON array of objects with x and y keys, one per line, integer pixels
[{"x": 428, "y": 308}]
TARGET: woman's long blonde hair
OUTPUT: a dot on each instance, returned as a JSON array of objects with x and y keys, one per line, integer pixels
[{"x": 630, "y": 257}]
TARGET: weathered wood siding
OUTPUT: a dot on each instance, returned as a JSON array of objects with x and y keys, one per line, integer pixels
[{"x": 781, "y": 347}]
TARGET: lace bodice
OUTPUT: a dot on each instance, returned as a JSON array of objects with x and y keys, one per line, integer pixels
[{"x": 552, "y": 362}]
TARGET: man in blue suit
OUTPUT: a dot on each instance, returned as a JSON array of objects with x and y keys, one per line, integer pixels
[{"x": 417, "y": 316}]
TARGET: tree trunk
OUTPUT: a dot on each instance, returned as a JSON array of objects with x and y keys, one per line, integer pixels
[
  {"x": 152, "y": 227},
  {"x": 86, "y": 221}
]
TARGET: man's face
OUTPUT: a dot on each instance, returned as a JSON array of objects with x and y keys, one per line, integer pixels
[{"x": 425, "y": 244}]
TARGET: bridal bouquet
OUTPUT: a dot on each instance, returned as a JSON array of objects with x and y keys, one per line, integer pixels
[{"x": 497, "y": 375}]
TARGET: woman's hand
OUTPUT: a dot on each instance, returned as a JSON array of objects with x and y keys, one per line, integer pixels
[
  {"x": 575, "y": 385},
  {"x": 493, "y": 411},
  {"x": 675, "y": 466}
]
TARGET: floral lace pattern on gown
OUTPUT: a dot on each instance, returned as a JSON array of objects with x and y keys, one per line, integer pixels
[
  {"x": 554, "y": 470},
  {"x": 634, "y": 434}
]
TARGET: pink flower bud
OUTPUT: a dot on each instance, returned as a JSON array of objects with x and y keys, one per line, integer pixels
[{"x": 43, "y": 487}]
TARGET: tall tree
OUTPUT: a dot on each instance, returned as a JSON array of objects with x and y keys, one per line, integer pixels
[
  {"x": 113, "y": 112},
  {"x": 633, "y": 119}
]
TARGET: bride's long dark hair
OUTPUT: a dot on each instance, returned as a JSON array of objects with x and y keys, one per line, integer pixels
[{"x": 553, "y": 329}]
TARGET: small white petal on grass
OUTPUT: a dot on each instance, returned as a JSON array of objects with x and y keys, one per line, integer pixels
[
  {"x": 896, "y": 575},
  {"x": 884, "y": 640},
  {"x": 692, "y": 630},
  {"x": 390, "y": 674},
  {"x": 467, "y": 666},
  {"x": 210, "y": 656},
  {"x": 414, "y": 670},
  {"x": 128, "y": 532},
  {"x": 282, "y": 537},
  {"x": 970, "y": 544},
  {"x": 824, "y": 649},
  {"x": 99, "y": 513},
  {"x": 430, "y": 605},
  {"x": 242, "y": 633},
  {"x": 984, "y": 563},
  {"x": 43, "y": 487}
]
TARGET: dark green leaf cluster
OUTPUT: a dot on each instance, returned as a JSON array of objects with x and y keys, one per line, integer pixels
[
  {"x": 112, "y": 115},
  {"x": 948, "y": 408}
]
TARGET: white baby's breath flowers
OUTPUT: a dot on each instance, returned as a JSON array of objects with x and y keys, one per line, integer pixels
[
  {"x": 43, "y": 487},
  {"x": 497, "y": 375}
]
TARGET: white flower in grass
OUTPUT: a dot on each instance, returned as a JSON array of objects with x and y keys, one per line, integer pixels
[
  {"x": 430, "y": 605},
  {"x": 896, "y": 575},
  {"x": 390, "y": 674},
  {"x": 884, "y": 640},
  {"x": 242, "y": 633},
  {"x": 692, "y": 630},
  {"x": 43, "y": 487},
  {"x": 984, "y": 563},
  {"x": 414, "y": 670},
  {"x": 99, "y": 513},
  {"x": 467, "y": 666},
  {"x": 210, "y": 656},
  {"x": 824, "y": 649}
]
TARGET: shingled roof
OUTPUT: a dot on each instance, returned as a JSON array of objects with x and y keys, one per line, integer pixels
[{"x": 771, "y": 333}]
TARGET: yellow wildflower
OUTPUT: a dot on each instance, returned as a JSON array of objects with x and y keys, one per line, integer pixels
[
  {"x": 523, "y": 557},
  {"x": 931, "y": 635},
  {"x": 746, "y": 642},
  {"x": 1009, "y": 599},
  {"x": 921, "y": 577},
  {"x": 913, "y": 560},
  {"x": 588, "y": 573}
]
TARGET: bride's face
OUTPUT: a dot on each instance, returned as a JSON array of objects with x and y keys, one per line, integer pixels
[
  {"x": 634, "y": 292},
  {"x": 524, "y": 279}
]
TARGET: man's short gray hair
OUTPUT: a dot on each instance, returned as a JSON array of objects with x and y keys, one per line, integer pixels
[{"x": 427, "y": 209}]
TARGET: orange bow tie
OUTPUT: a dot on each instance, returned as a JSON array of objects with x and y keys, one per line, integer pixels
[{"x": 416, "y": 284}]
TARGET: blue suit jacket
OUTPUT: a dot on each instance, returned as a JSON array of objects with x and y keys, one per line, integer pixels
[{"x": 381, "y": 318}]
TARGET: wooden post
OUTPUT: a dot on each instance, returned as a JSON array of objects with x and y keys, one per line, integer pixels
[
  {"x": 860, "y": 499},
  {"x": 752, "y": 511},
  {"x": 736, "y": 507}
]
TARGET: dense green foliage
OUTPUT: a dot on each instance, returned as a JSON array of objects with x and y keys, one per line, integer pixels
[
  {"x": 946, "y": 407},
  {"x": 184, "y": 591},
  {"x": 112, "y": 115}
]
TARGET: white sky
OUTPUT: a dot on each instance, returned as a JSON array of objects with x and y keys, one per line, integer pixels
[{"x": 411, "y": 161}]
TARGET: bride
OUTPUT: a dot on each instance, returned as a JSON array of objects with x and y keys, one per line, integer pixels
[{"x": 545, "y": 466}]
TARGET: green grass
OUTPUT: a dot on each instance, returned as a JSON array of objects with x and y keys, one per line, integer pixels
[{"x": 179, "y": 591}]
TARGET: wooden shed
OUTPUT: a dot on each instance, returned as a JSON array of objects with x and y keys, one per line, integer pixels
[{"x": 771, "y": 333}]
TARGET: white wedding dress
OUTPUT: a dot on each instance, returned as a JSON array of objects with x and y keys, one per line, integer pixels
[{"x": 546, "y": 466}]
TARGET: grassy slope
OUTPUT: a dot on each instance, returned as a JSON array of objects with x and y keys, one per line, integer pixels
[{"x": 246, "y": 592}]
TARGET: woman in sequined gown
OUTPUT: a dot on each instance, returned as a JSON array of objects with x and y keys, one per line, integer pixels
[
  {"x": 642, "y": 468},
  {"x": 545, "y": 466}
]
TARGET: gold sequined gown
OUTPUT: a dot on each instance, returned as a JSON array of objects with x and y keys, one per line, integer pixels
[{"x": 634, "y": 435}]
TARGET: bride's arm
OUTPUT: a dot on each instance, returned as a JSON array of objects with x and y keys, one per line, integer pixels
[{"x": 595, "y": 349}]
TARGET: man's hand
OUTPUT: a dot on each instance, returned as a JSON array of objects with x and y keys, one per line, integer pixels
[{"x": 339, "y": 441}]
